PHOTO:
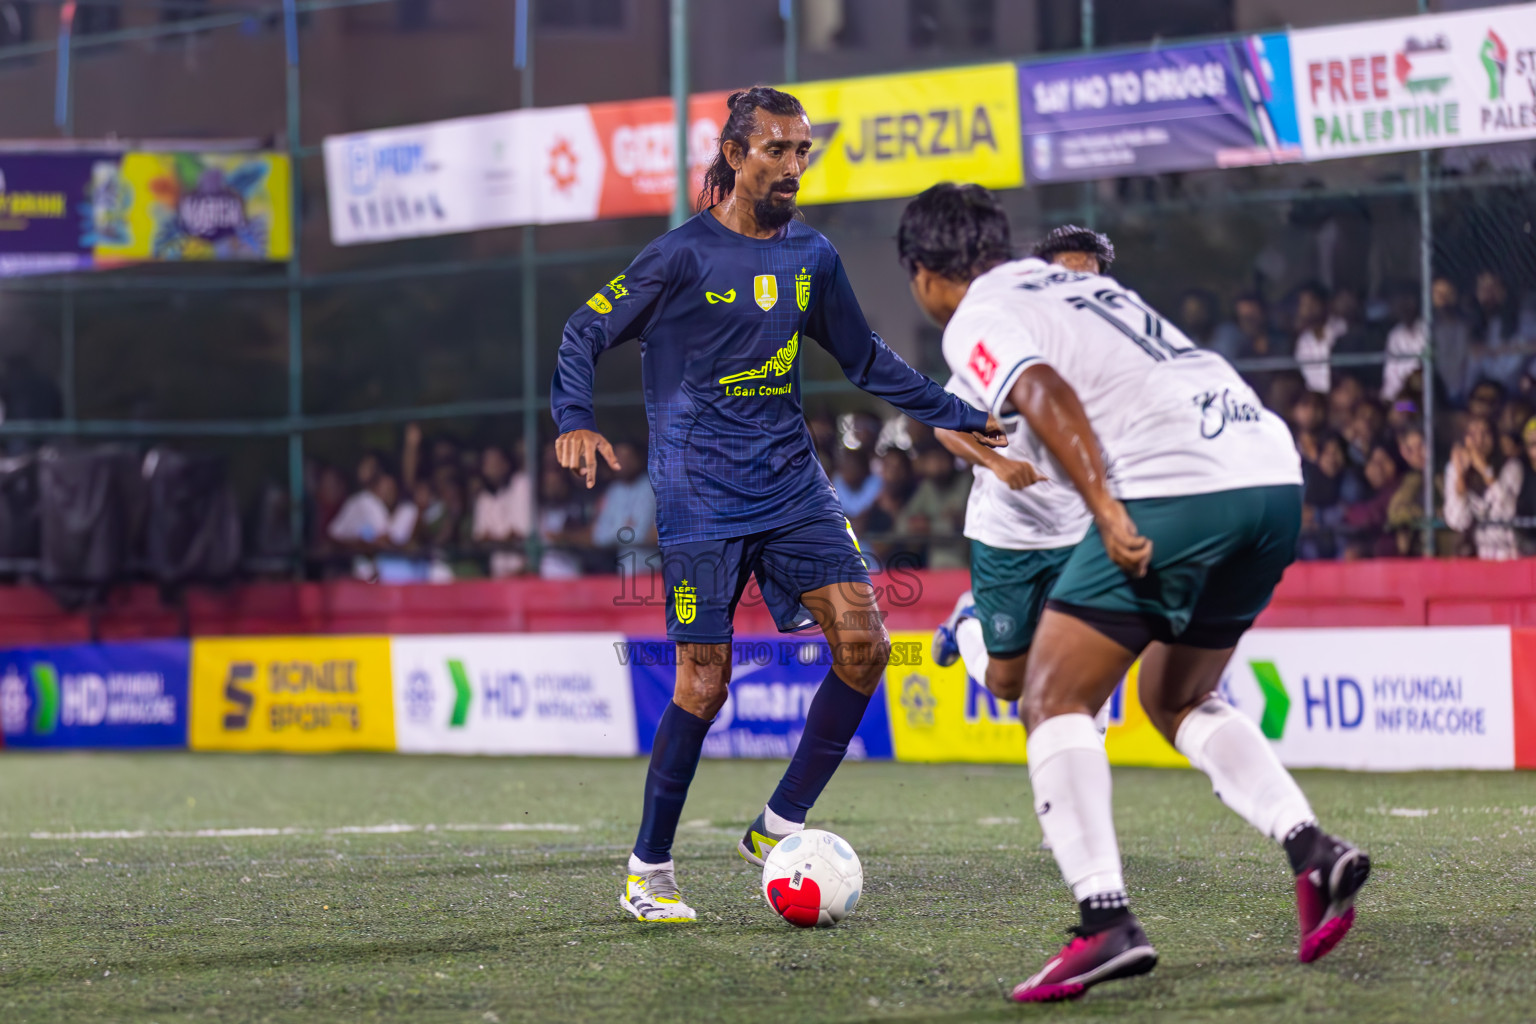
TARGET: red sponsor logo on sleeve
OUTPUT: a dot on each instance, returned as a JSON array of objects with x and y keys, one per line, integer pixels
[{"x": 982, "y": 364}]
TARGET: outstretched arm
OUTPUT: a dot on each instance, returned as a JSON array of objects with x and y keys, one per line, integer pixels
[
  {"x": 1056, "y": 416},
  {"x": 1017, "y": 475},
  {"x": 838, "y": 325},
  {"x": 619, "y": 311}
]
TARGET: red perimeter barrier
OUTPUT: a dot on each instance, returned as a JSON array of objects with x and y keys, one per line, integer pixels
[{"x": 1395, "y": 592}]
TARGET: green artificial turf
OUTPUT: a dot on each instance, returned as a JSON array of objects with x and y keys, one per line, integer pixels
[{"x": 484, "y": 926}]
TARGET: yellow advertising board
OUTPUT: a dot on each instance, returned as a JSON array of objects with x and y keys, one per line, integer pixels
[
  {"x": 295, "y": 694},
  {"x": 940, "y": 714},
  {"x": 193, "y": 206},
  {"x": 894, "y": 135}
]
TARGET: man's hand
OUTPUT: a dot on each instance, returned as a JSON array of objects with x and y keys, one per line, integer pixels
[
  {"x": 1017, "y": 475},
  {"x": 578, "y": 450},
  {"x": 992, "y": 434},
  {"x": 1126, "y": 547}
]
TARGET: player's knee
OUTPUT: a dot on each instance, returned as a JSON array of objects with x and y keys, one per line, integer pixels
[
  {"x": 703, "y": 696},
  {"x": 861, "y": 658},
  {"x": 1004, "y": 682}
]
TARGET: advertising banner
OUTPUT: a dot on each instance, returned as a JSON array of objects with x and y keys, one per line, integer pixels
[
  {"x": 1379, "y": 699},
  {"x": 428, "y": 179},
  {"x": 894, "y": 135},
  {"x": 293, "y": 694},
  {"x": 1180, "y": 108},
  {"x": 192, "y": 206},
  {"x": 1416, "y": 83},
  {"x": 45, "y": 212},
  {"x": 95, "y": 695},
  {"x": 513, "y": 694},
  {"x": 773, "y": 679}
]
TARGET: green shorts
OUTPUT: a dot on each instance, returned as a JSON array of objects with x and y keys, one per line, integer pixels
[
  {"x": 1216, "y": 559},
  {"x": 1010, "y": 588}
]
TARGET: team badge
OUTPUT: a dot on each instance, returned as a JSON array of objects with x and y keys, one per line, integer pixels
[
  {"x": 600, "y": 304},
  {"x": 766, "y": 289},
  {"x": 803, "y": 289},
  {"x": 685, "y": 602}
]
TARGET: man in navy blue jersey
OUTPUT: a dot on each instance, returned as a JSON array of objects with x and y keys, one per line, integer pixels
[{"x": 721, "y": 306}]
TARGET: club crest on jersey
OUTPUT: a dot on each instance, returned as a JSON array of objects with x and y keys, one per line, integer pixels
[
  {"x": 982, "y": 364},
  {"x": 765, "y": 287},
  {"x": 803, "y": 289},
  {"x": 685, "y": 602}
]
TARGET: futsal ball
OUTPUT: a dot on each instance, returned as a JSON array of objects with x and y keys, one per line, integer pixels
[{"x": 812, "y": 879}]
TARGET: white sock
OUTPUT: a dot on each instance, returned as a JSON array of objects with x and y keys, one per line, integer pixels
[
  {"x": 1070, "y": 775},
  {"x": 1245, "y": 773},
  {"x": 640, "y": 867},
  {"x": 779, "y": 825},
  {"x": 973, "y": 648},
  {"x": 1101, "y": 721}
]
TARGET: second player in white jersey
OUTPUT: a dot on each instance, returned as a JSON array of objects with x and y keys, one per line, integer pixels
[
  {"x": 1046, "y": 514},
  {"x": 1173, "y": 419}
]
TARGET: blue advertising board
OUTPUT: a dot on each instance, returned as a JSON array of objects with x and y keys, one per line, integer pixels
[
  {"x": 46, "y": 211},
  {"x": 1221, "y": 104},
  {"x": 95, "y": 695},
  {"x": 773, "y": 679}
]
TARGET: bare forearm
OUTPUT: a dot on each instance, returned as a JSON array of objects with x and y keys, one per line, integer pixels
[
  {"x": 1057, "y": 418},
  {"x": 964, "y": 447}
]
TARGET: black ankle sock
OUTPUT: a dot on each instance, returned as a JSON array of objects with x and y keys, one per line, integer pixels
[
  {"x": 1103, "y": 910},
  {"x": 1299, "y": 845}
]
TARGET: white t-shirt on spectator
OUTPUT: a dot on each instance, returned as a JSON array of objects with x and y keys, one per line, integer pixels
[
  {"x": 364, "y": 517},
  {"x": 1319, "y": 346},
  {"x": 1173, "y": 419},
  {"x": 504, "y": 513},
  {"x": 1405, "y": 346}
]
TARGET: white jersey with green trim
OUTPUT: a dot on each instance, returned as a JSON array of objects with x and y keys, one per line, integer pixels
[
  {"x": 1044, "y": 515},
  {"x": 1173, "y": 418}
]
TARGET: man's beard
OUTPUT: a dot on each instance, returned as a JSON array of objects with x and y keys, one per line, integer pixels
[{"x": 773, "y": 214}]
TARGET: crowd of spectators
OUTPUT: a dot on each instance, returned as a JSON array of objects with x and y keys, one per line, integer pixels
[{"x": 1344, "y": 370}]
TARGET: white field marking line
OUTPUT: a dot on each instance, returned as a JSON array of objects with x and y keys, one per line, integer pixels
[
  {"x": 342, "y": 830},
  {"x": 245, "y": 864}
]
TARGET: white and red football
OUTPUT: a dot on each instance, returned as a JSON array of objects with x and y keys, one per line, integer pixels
[{"x": 812, "y": 879}]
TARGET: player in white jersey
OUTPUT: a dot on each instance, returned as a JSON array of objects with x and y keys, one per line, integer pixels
[
  {"x": 1021, "y": 525},
  {"x": 1195, "y": 492}
]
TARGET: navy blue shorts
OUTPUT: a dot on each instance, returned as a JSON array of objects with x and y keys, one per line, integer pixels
[{"x": 705, "y": 579}]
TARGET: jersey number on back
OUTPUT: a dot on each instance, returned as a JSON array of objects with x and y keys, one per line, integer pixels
[{"x": 1136, "y": 322}]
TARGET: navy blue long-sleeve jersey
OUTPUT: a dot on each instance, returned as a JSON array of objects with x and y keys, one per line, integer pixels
[{"x": 721, "y": 318}]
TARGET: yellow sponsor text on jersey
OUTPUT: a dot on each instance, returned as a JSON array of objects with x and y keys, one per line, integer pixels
[
  {"x": 600, "y": 304},
  {"x": 766, "y": 289},
  {"x": 715, "y": 297},
  {"x": 895, "y": 135},
  {"x": 777, "y": 365}
]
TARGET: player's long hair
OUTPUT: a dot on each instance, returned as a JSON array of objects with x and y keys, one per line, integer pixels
[{"x": 720, "y": 178}]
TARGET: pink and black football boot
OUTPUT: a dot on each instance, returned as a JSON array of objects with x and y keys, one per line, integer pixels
[
  {"x": 1325, "y": 896},
  {"x": 1120, "y": 951}
]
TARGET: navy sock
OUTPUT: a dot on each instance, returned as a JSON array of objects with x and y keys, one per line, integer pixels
[
  {"x": 833, "y": 718},
  {"x": 674, "y": 758}
]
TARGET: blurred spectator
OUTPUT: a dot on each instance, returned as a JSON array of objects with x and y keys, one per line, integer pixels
[
  {"x": 1344, "y": 400},
  {"x": 1255, "y": 340},
  {"x": 823, "y": 427},
  {"x": 1406, "y": 510},
  {"x": 897, "y": 482},
  {"x": 1308, "y": 418},
  {"x": 1525, "y": 502},
  {"x": 1453, "y": 341},
  {"x": 1318, "y": 332},
  {"x": 1486, "y": 399},
  {"x": 503, "y": 518},
  {"x": 373, "y": 523},
  {"x": 937, "y": 508},
  {"x": 565, "y": 527},
  {"x": 1405, "y": 341},
  {"x": 1327, "y": 487},
  {"x": 1495, "y": 331},
  {"x": 1481, "y": 487},
  {"x": 330, "y": 494},
  {"x": 856, "y": 486},
  {"x": 626, "y": 513},
  {"x": 1364, "y": 432},
  {"x": 1197, "y": 319},
  {"x": 1358, "y": 337},
  {"x": 1366, "y": 519}
]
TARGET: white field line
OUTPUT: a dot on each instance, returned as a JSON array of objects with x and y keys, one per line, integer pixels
[{"x": 342, "y": 830}]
